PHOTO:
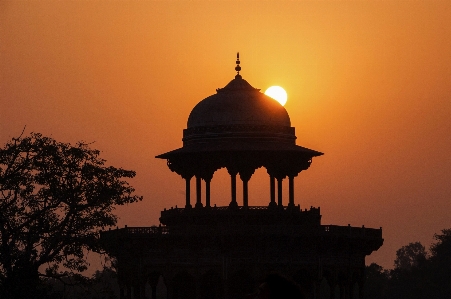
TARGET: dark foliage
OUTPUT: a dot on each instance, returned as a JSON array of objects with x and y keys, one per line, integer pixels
[
  {"x": 410, "y": 256},
  {"x": 376, "y": 281},
  {"x": 54, "y": 198},
  {"x": 416, "y": 275},
  {"x": 102, "y": 285},
  {"x": 439, "y": 269}
]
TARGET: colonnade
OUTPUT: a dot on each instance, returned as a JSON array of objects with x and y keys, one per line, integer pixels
[
  {"x": 245, "y": 180},
  {"x": 342, "y": 285}
]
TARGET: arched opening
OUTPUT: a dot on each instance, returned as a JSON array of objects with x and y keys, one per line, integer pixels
[
  {"x": 155, "y": 286},
  {"x": 161, "y": 290},
  {"x": 259, "y": 192},
  {"x": 220, "y": 189},
  {"x": 148, "y": 290}
]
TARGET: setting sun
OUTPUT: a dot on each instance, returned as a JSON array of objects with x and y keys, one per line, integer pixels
[{"x": 277, "y": 93}]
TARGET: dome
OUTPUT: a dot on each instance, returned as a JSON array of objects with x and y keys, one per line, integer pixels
[
  {"x": 238, "y": 103},
  {"x": 237, "y": 123}
]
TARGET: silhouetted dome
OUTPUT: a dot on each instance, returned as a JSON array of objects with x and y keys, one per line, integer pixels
[
  {"x": 238, "y": 120},
  {"x": 238, "y": 103}
]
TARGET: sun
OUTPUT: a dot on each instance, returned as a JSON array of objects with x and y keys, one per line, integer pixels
[{"x": 277, "y": 93}]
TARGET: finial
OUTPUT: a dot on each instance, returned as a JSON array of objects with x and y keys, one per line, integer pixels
[{"x": 238, "y": 67}]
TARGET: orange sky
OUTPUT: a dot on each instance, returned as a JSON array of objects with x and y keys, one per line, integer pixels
[{"x": 368, "y": 82}]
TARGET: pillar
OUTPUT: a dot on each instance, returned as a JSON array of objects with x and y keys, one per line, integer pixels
[
  {"x": 245, "y": 176},
  {"x": 272, "y": 187},
  {"x": 245, "y": 194},
  {"x": 233, "y": 203},
  {"x": 207, "y": 192},
  {"x": 291, "y": 191},
  {"x": 188, "y": 192},
  {"x": 153, "y": 282},
  {"x": 279, "y": 192},
  {"x": 198, "y": 192}
]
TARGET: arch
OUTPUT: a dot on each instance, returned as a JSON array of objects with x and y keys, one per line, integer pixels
[
  {"x": 357, "y": 282},
  {"x": 153, "y": 277},
  {"x": 161, "y": 289},
  {"x": 220, "y": 188},
  {"x": 259, "y": 188}
]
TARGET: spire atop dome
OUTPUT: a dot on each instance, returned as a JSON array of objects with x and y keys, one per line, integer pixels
[{"x": 238, "y": 67}]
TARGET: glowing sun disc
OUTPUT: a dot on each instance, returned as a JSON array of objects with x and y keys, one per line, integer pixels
[{"x": 277, "y": 93}]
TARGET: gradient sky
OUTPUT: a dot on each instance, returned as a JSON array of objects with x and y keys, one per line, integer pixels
[{"x": 368, "y": 83}]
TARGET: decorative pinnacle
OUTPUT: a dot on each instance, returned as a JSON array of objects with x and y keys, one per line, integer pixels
[{"x": 238, "y": 67}]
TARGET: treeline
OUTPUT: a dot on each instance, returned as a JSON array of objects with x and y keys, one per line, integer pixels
[
  {"x": 417, "y": 273},
  {"x": 101, "y": 285}
]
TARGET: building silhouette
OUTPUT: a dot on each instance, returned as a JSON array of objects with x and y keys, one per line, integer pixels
[{"x": 203, "y": 251}]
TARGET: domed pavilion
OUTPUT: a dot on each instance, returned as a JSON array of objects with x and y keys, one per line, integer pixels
[
  {"x": 204, "y": 251},
  {"x": 241, "y": 129}
]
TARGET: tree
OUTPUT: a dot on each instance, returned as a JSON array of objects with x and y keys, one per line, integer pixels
[
  {"x": 409, "y": 278},
  {"x": 54, "y": 199},
  {"x": 101, "y": 285},
  {"x": 376, "y": 281},
  {"x": 412, "y": 255},
  {"x": 440, "y": 264},
  {"x": 441, "y": 249},
  {"x": 416, "y": 274}
]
